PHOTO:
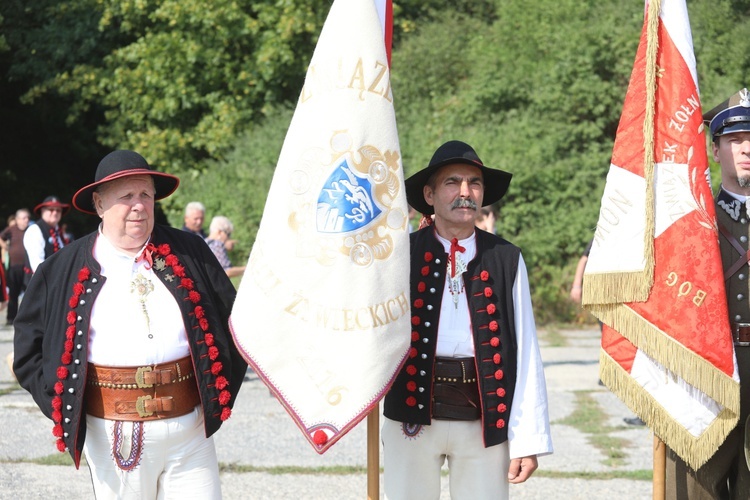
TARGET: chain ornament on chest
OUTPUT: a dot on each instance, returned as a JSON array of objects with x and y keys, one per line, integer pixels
[
  {"x": 141, "y": 287},
  {"x": 455, "y": 279}
]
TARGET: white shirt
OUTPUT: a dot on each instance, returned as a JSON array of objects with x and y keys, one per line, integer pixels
[
  {"x": 454, "y": 327},
  {"x": 34, "y": 242},
  {"x": 129, "y": 328},
  {"x": 526, "y": 436}
]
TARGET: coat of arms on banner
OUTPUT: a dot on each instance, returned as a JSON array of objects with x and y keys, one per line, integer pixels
[{"x": 354, "y": 207}]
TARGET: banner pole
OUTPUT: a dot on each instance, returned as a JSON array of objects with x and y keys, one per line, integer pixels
[
  {"x": 660, "y": 469},
  {"x": 373, "y": 454}
]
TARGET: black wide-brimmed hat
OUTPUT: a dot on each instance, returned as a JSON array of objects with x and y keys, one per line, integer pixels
[
  {"x": 496, "y": 181},
  {"x": 52, "y": 202},
  {"x": 119, "y": 164},
  {"x": 732, "y": 115}
]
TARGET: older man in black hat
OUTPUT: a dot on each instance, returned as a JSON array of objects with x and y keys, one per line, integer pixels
[
  {"x": 726, "y": 474},
  {"x": 472, "y": 389},
  {"x": 45, "y": 237},
  {"x": 126, "y": 344}
]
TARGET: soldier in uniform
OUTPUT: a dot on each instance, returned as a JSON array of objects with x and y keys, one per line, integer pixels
[
  {"x": 726, "y": 475},
  {"x": 472, "y": 390}
]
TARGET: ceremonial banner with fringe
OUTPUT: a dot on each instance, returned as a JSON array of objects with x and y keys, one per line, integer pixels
[
  {"x": 322, "y": 312},
  {"x": 654, "y": 275}
]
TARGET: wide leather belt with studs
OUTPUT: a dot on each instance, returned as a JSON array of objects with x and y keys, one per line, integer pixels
[
  {"x": 141, "y": 393},
  {"x": 741, "y": 334},
  {"x": 455, "y": 392}
]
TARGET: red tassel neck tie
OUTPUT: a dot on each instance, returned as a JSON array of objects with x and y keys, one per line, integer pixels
[
  {"x": 147, "y": 255},
  {"x": 452, "y": 257}
]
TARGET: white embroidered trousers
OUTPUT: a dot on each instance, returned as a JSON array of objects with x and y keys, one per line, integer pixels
[{"x": 177, "y": 461}]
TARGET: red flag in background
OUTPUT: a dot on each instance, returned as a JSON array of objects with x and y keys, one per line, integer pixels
[
  {"x": 322, "y": 312},
  {"x": 654, "y": 275},
  {"x": 385, "y": 14}
]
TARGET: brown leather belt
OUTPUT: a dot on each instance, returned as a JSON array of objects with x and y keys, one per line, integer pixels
[
  {"x": 741, "y": 334},
  {"x": 455, "y": 393},
  {"x": 139, "y": 393}
]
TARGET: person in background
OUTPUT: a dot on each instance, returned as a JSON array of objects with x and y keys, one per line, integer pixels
[
  {"x": 125, "y": 343},
  {"x": 486, "y": 219},
  {"x": 45, "y": 237},
  {"x": 220, "y": 231},
  {"x": 576, "y": 289},
  {"x": 472, "y": 389},
  {"x": 195, "y": 214},
  {"x": 11, "y": 239},
  {"x": 4, "y": 249}
]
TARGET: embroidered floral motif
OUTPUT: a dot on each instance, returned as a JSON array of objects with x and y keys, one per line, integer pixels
[
  {"x": 411, "y": 431},
  {"x": 136, "y": 446}
]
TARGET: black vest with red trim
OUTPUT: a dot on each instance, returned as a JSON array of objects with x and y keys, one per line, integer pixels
[{"x": 488, "y": 282}]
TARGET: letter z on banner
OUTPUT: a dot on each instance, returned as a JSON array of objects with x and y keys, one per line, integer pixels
[
  {"x": 654, "y": 275},
  {"x": 322, "y": 312}
]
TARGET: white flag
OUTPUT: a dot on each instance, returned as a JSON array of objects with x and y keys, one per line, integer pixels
[{"x": 322, "y": 313}]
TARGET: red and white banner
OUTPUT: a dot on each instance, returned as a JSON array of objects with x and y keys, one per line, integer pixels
[
  {"x": 654, "y": 275},
  {"x": 322, "y": 312}
]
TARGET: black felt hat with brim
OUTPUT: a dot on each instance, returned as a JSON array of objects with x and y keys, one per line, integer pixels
[
  {"x": 120, "y": 164},
  {"x": 496, "y": 181},
  {"x": 52, "y": 202}
]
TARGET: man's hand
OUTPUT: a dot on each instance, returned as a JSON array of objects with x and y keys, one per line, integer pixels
[{"x": 521, "y": 469}]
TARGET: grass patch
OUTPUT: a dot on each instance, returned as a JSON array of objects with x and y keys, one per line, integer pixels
[
  {"x": 10, "y": 389},
  {"x": 54, "y": 459},
  {"x": 334, "y": 470},
  {"x": 589, "y": 418},
  {"x": 635, "y": 475}
]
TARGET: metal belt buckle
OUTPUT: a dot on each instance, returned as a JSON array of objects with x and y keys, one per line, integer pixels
[
  {"x": 737, "y": 327},
  {"x": 140, "y": 406},
  {"x": 139, "y": 377}
]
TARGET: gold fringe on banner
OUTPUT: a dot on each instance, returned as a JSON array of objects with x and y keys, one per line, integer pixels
[
  {"x": 615, "y": 288},
  {"x": 652, "y": 52},
  {"x": 694, "y": 450},
  {"x": 676, "y": 358},
  {"x": 635, "y": 286}
]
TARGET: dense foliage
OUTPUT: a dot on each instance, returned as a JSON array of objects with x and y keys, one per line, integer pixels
[{"x": 206, "y": 89}]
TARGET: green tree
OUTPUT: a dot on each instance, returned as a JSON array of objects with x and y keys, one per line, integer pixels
[
  {"x": 236, "y": 186},
  {"x": 179, "y": 80}
]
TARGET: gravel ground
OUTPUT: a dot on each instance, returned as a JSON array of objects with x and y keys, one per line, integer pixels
[{"x": 260, "y": 434}]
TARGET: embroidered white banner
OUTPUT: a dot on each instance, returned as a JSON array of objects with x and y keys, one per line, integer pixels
[{"x": 322, "y": 313}]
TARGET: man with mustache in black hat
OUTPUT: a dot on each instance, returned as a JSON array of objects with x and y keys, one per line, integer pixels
[
  {"x": 726, "y": 475},
  {"x": 472, "y": 389},
  {"x": 124, "y": 342}
]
